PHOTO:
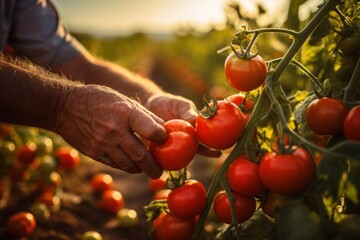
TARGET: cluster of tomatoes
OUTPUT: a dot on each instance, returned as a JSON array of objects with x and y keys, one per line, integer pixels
[
  {"x": 34, "y": 164},
  {"x": 330, "y": 116}
]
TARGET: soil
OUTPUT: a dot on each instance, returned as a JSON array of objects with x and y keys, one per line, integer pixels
[{"x": 74, "y": 218}]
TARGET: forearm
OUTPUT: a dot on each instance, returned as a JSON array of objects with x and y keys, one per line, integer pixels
[
  {"x": 90, "y": 70},
  {"x": 29, "y": 96}
]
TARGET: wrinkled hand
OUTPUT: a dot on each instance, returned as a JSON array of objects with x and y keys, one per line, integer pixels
[
  {"x": 102, "y": 124},
  {"x": 168, "y": 106}
]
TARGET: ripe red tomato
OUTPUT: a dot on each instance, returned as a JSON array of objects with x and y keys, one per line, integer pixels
[
  {"x": 101, "y": 182},
  {"x": 238, "y": 99},
  {"x": 161, "y": 194},
  {"x": 243, "y": 177},
  {"x": 21, "y": 224},
  {"x": 287, "y": 173},
  {"x": 352, "y": 124},
  {"x": 26, "y": 153},
  {"x": 179, "y": 148},
  {"x": 245, "y": 74},
  {"x": 325, "y": 116},
  {"x": 68, "y": 158},
  {"x": 111, "y": 201},
  {"x": 158, "y": 184},
  {"x": 244, "y": 207},
  {"x": 224, "y": 128},
  {"x": 188, "y": 200},
  {"x": 169, "y": 227}
]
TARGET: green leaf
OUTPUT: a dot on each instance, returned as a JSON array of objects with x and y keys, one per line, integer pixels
[{"x": 300, "y": 109}]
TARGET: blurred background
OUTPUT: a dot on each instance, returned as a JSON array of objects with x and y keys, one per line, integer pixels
[{"x": 175, "y": 42}]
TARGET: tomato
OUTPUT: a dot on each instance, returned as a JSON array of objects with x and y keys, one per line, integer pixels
[
  {"x": 240, "y": 99},
  {"x": 244, "y": 207},
  {"x": 161, "y": 194},
  {"x": 169, "y": 227},
  {"x": 243, "y": 177},
  {"x": 111, "y": 201},
  {"x": 91, "y": 235},
  {"x": 158, "y": 184},
  {"x": 188, "y": 200},
  {"x": 272, "y": 202},
  {"x": 352, "y": 124},
  {"x": 68, "y": 158},
  {"x": 127, "y": 217},
  {"x": 40, "y": 211},
  {"x": 179, "y": 148},
  {"x": 101, "y": 182},
  {"x": 325, "y": 116},
  {"x": 223, "y": 129},
  {"x": 26, "y": 153},
  {"x": 245, "y": 74},
  {"x": 52, "y": 201},
  {"x": 48, "y": 182},
  {"x": 21, "y": 224},
  {"x": 287, "y": 173}
]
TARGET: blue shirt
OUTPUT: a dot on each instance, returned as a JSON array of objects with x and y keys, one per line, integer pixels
[{"x": 34, "y": 30}]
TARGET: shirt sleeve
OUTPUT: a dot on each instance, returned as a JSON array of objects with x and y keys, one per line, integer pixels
[{"x": 37, "y": 33}]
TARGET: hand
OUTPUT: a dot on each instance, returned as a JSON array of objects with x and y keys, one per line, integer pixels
[
  {"x": 103, "y": 124},
  {"x": 168, "y": 106}
]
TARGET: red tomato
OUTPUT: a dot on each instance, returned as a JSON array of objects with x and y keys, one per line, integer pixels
[
  {"x": 224, "y": 128},
  {"x": 168, "y": 227},
  {"x": 21, "y": 224},
  {"x": 244, "y": 207},
  {"x": 239, "y": 99},
  {"x": 111, "y": 201},
  {"x": 101, "y": 182},
  {"x": 158, "y": 184},
  {"x": 245, "y": 74},
  {"x": 352, "y": 124},
  {"x": 161, "y": 194},
  {"x": 325, "y": 116},
  {"x": 188, "y": 200},
  {"x": 243, "y": 177},
  {"x": 287, "y": 173},
  {"x": 68, "y": 158},
  {"x": 179, "y": 148},
  {"x": 26, "y": 153}
]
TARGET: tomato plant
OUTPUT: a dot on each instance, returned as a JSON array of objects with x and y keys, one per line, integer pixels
[
  {"x": 287, "y": 173},
  {"x": 352, "y": 124},
  {"x": 222, "y": 129},
  {"x": 245, "y": 74},
  {"x": 179, "y": 148},
  {"x": 243, "y": 102},
  {"x": 325, "y": 116},
  {"x": 244, "y": 207},
  {"x": 21, "y": 224},
  {"x": 243, "y": 177},
  {"x": 188, "y": 200}
]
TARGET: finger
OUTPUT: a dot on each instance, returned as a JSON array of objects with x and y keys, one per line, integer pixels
[
  {"x": 138, "y": 153},
  {"x": 144, "y": 125},
  {"x": 121, "y": 160},
  {"x": 208, "y": 152}
]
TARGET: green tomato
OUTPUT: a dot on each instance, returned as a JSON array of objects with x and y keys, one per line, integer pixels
[
  {"x": 91, "y": 235},
  {"x": 127, "y": 217},
  {"x": 40, "y": 211}
]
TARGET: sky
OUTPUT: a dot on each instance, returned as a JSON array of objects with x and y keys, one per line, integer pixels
[{"x": 113, "y": 17}]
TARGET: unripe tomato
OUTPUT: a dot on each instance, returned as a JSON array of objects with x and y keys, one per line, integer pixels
[
  {"x": 127, "y": 217},
  {"x": 325, "y": 116},
  {"x": 111, "y": 201},
  {"x": 21, "y": 224},
  {"x": 245, "y": 74},
  {"x": 352, "y": 124},
  {"x": 91, "y": 235}
]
